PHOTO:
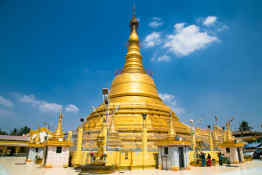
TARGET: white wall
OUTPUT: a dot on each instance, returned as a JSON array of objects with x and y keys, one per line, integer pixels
[
  {"x": 173, "y": 156},
  {"x": 57, "y": 159},
  {"x": 32, "y": 153}
]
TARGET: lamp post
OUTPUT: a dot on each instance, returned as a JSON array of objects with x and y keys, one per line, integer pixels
[
  {"x": 144, "y": 140},
  {"x": 193, "y": 132},
  {"x": 105, "y": 128}
]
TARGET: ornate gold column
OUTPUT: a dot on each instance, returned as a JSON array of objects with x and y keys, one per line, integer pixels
[
  {"x": 172, "y": 132},
  {"x": 210, "y": 139},
  {"x": 17, "y": 149},
  {"x": 77, "y": 154},
  {"x": 69, "y": 136}
]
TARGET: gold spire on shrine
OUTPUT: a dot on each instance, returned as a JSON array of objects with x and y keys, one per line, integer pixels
[
  {"x": 227, "y": 133},
  {"x": 133, "y": 57},
  {"x": 59, "y": 131}
]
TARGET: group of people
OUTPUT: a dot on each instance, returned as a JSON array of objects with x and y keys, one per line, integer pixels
[{"x": 207, "y": 161}]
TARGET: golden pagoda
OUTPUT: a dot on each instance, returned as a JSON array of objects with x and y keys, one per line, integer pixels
[{"x": 134, "y": 94}]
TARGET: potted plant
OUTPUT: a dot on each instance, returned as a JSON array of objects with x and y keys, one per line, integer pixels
[{"x": 38, "y": 159}]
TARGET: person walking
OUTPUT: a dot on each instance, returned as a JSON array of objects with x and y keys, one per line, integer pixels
[
  {"x": 209, "y": 160},
  {"x": 203, "y": 159},
  {"x": 220, "y": 158}
]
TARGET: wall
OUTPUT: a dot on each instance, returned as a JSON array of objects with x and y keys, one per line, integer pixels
[
  {"x": 173, "y": 157},
  {"x": 57, "y": 159},
  {"x": 233, "y": 155},
  {"x": 32, "y": 153}
]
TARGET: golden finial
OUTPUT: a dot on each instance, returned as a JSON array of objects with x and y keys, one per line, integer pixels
[{"x": 134, "y": 8}]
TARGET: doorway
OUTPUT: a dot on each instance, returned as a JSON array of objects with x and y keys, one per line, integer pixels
[
  {"x": 164, "y": 162},
  {"x": 156, "y": 160},
  {"x": 45, "y": 155},
  {"x": 181, "y": 157},
  {"x": 239, "y": 155}
]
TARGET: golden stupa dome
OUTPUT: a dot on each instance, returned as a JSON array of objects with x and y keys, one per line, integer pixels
[
  {"x": 133, "y": 84},
  {"x": 133, "y": 93}
]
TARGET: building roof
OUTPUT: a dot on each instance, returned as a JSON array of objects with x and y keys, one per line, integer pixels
[
  {"x": 253, "y": 145},
  {"x": 14, "y": 138}
]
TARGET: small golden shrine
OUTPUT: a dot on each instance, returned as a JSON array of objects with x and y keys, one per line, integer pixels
[
  {"x": 231, "y": 147},
  {"x": 50, "y": 149}
]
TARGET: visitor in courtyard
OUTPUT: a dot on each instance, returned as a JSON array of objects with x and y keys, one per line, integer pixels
[
  {"x": 203, "y": 159},
  {"x": 208, "y": 160},
  {"x": 220, "y": 158}
]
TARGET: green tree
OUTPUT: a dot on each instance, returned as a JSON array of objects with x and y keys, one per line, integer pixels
[
  {"x": 244, "y": 126},
  {"x": 23, "y": 131},
  {"x": 3, "y": 132},
  {"x": 20, "y": 132}
]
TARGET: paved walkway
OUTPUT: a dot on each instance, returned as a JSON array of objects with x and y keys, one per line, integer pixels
[{"x": 17, "y": 166}]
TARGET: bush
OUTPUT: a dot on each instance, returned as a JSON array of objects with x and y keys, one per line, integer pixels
[
  {"x": 196, "y": 163},
  {"x": 38, "y": 159},
  {"x": 226, "y": 160},
  {"x": 248, "y": 158}
]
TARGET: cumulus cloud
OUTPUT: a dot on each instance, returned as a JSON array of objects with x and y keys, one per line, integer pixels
[
  {"x": 210, "y": 20},
  {"x": 186, "y": 40},
  {"x": 156, "y": 22},
  {"x": 152, "y": 40},
  {"x": 50, "y": 107},
  {"x": 163, "y": 58},
  {"x": 5, "y": 102},
  {"x": 71, "y": 108},
  {"x": 42, "y": 105},
  {"x": 169, "y": 99}
]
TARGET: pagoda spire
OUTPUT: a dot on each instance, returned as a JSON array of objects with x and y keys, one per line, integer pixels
[
  {"x": 133, "y": 56},
  {"x": 59, "y": 131}
]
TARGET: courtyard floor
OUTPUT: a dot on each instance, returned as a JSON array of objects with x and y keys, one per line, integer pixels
[{"x": 17, "y": 166}]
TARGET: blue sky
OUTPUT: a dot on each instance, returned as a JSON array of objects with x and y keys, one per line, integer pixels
[{"x": 57, "y": 55}]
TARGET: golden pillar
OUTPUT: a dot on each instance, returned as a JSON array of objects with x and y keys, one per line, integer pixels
[
  {"x": 69, "y": 136},
  {"x": 78, "y": 153},
  {"x": 5, "y": 149},
  {"x": 17, "y": 149},
  {"x": 210, "y": 139},
  {"x": 172, "y": 132}
]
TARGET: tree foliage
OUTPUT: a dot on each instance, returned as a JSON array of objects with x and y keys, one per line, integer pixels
[
  {"x": 16, "y": 132},
  {"x": 244, "y": 126},
  {"x": 3, "y": 132}
]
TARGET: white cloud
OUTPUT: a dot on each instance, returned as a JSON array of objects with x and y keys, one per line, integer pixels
[
  {"x": 50, "y": 107},
  {"x": 210, "y": 20},
  {"x": 152, "y": 40},
  {"x": 188, "y": 39},
  {"x": 29, "y": 99},
  {"x": 71, "y": 108},
  {"x": 169, "y": 99},
  {"x": 163, "y": 58},
  {"x": 5, "y": 102},
  {"x": 156, "y": 22},
  {"x": 42, "y": 105}
]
